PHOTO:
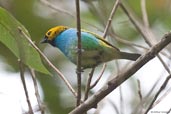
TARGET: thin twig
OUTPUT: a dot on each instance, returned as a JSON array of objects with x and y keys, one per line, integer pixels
[
  {"x": 140, "y": 96},
  {"x": 168, "y": 112},
  {"x": 139, "y": 89},
  {"x": 49, "y": 63},
  {"x": 99, "y": 77},
  {"x": 110, "y": 18},
  {"x": 157, "y": 94},
  {"x": 135, "y": 22},
  {"x": 129, "y": 43},
  {"x": 40, "y": 104},
  {"x": 162, "y": 97},
  {"x": 79, "y": 52},
  {"x": 88, "y": 87},
  {"x": 121, "y": 101},
  {"x": 24, "y": 86},
  {"x": 144, "y": 13},
  {"x": 164, "y": 64},
  {"x": 114, "y": 106},
  {"x": 52, "y": 6},
  {"x": 115, "y": 82},
  {"x": 146, "y": 98}
]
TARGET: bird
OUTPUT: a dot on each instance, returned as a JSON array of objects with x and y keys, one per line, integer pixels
[{"x": 95, "y": 50}]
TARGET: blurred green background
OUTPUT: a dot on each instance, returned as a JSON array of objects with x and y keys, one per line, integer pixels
[{"x": 38, "y": 17}]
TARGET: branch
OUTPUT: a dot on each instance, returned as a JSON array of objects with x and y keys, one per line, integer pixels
[
  {"x": 88, "y": 87},
  {"x": 139, "y": 89},
  {"x": 21, "y": 67},
  {"x": 162, "y": 97},
  {"x": 157, "y": 94},
  {"x": 115, "y": 82},
  {"x": 41, "y": 106},
  {"x": 144, "y": 13},
  {"x": 98, "y": 79},
  {"x": 79, "y": 53},
  {"x": 110, "y": 18},
  {"x": 53, "y": 7}
]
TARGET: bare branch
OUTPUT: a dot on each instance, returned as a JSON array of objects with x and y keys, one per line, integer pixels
[
  {"x": 77, "y": 2},
  {"x": 162, "y": 97},
  {"x": 146, "y": 99},
  {"x": 41, "y": 106},
  {"x": 101, "y": 74},
  {"x": 114, "y": 106},
  {"x": 144, "y": 13},
  {"x": 121, "y": 101},
  {"x": 24, "y": 86},
  {"x": 47, "y": 3},
  {"x": 168, "y": 111},
  {"x": 129, "y": 43},
  {"x": 88, "y": 87},
  {"x": 157, "y": 94},
  {"x": 139, "y": 90},
  {"x": 110, "y": 18}
]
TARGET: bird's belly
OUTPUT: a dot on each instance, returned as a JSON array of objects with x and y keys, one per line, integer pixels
[{"x": 89, "y": 58}]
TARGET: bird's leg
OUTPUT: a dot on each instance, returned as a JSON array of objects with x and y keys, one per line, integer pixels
[
  {"x": 82, "y": 70},
  {"x": 77, "y": 50}
]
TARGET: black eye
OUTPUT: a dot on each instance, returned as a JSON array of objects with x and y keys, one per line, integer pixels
[{"x": 49, "y": 33}]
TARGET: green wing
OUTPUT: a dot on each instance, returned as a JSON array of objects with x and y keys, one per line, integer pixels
[
  {"x": 101, "y": 39},
  {"x": 96, "y": 50}
]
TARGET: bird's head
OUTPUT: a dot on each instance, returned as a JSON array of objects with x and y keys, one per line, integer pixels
[{"x": 52, "y": 33}]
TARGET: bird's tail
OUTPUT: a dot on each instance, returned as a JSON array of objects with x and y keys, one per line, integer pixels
[{"x": 130, "y": 56}]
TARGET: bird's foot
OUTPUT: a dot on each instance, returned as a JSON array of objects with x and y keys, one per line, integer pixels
[
  {"x": 77, "y": 50},
  {"x": 82, "y": 70}
]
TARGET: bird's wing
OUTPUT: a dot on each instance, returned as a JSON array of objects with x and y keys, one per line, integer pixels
[{"x": 103, "y": 41}]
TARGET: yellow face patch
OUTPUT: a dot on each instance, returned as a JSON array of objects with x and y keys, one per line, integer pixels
[{"x": 53, "y": 32}]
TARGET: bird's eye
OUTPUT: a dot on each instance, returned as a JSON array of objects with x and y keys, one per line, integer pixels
[{"x": 49, "y": 33}]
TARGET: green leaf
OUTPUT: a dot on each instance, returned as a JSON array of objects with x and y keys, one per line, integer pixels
[{"x": 12, "y": 38}]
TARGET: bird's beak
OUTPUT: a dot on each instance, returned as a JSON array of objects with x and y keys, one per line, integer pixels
[{"x": 44, "y": 40}]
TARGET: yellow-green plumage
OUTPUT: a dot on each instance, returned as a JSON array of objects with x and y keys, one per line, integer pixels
[{"x": 95, "y": 50}]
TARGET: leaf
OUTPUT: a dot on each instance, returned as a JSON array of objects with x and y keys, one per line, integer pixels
[{"x": 12, "y": 38}]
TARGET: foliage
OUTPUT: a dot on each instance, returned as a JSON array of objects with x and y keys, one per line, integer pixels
[{"x": 13, "y": 39}]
